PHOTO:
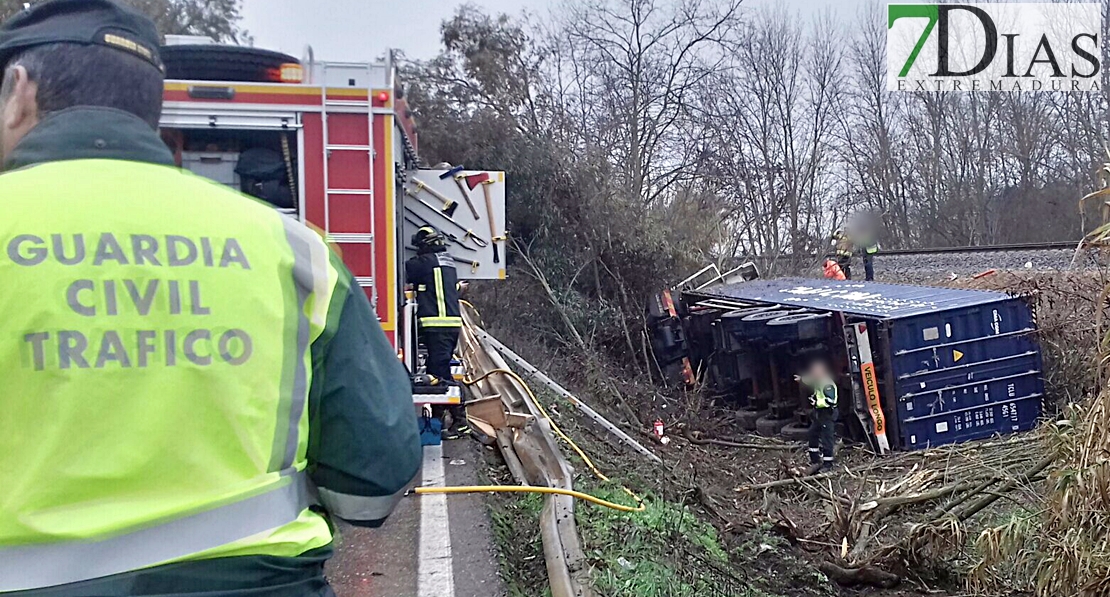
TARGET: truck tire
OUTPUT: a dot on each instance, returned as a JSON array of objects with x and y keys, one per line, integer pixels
[
  {"x": 769, "y": 427},
  {"x": 746, "y": 419},
  {"x": 795, "y": 432},
  {"x": 222, "y": 63}
]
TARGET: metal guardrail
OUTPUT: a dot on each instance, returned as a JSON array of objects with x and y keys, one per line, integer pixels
[{"x": 533, "y": 457}]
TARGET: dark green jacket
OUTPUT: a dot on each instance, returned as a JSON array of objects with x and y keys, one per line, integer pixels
[{"x": 363, "y": 438}]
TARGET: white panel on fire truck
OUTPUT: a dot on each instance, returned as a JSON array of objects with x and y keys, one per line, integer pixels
[
  {"x": 352, "y": 75},
  {"x": 469, "y": 239},
  {"x": 197, "y": 116}
]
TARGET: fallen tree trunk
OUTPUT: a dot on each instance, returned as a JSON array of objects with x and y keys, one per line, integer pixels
[{"x": 864, "y": 575}]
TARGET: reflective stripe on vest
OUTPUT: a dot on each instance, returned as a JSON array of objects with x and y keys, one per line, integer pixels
[
  {"x": 871, "y": 249},
  {"x": 172, "y": 357},
  {"x": 823, "y": 400},
  {"x": 38, "y": 566}
]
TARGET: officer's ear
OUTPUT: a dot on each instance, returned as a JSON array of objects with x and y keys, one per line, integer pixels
[{"x": 20, "y": 110}]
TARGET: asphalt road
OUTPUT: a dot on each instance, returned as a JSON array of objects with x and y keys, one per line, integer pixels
[{"x": 431, "y": 546}]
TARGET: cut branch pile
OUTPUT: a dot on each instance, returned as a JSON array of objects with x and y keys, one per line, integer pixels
[{"x": 910, "y": 508}]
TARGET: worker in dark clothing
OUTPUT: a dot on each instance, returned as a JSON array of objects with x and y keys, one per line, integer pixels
[
  {"x": 822, "y": 427},
  {"x": 843, "y": 247},
  {"x": 171, "y": 442},
  {"x": 864, "y": 230},
  {"x": 433, "y": 275},
  {"x": 868, "y": 250}
]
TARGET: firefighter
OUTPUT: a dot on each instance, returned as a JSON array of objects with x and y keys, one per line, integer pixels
[
  {"x": 824, "y": 397},
  {"x": 432, "y": 274},
  {"x": 843, "y": 247},
  {"x": 183, "y": 366}
]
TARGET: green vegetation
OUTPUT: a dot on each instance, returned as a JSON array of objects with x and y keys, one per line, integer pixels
[
  {"x": 514, "y": 519},
  {"x": 664, "y": 551}
]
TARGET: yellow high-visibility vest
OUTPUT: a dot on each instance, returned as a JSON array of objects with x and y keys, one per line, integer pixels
[{"x": 156, "y": 355}]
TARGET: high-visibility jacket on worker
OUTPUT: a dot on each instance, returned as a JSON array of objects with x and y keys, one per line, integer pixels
[
  {"x": 437, "y": 288},
  {"x": 825, "y": 393},
  {"x": 185, "y": 372}
]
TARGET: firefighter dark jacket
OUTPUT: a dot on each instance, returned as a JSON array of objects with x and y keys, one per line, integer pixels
[{"x": 433, "y": 275}]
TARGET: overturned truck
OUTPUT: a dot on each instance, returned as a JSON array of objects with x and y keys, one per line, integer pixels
[{"x": 923, "y": 366}]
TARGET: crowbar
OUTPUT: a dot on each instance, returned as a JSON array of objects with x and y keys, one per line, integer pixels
[
  {"x": 419, "y": 222},
  {"x": 474, "y": 265},
  {"x": 477, "y": 240}
]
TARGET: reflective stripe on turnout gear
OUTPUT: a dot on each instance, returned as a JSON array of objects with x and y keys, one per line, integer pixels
[
  {"x": 39, "y": 566},
  {"x": 441, "y": 322},
  {"x": 440, "y": 305}
]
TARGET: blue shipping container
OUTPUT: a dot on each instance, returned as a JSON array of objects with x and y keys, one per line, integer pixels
[{"x": 953, "y": 364}]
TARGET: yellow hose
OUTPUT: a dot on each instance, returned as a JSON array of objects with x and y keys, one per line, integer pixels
[
  {"x": 559, "y": 432},
  {"x": 640, "y": 507},
  {"x": 522, "y": 489}
]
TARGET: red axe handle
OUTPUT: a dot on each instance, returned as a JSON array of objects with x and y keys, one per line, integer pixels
[{"x": 474, "y": 180}]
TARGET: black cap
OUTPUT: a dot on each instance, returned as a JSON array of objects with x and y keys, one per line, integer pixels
[{"x": 91, "y": 22}]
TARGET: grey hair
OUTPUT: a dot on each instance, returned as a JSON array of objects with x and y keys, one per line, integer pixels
[{"x": 72, "y": 75}]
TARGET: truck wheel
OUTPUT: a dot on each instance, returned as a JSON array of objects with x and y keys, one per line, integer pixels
[
  {"x": 223, "y": 63},
  {"x": 795, "y": 432},
  {"x": 769, "y": 427},
  {"x": 746, "y": 418}
]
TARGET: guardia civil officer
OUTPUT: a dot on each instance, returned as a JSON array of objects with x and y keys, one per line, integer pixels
[{"x": 185, "y": 372}]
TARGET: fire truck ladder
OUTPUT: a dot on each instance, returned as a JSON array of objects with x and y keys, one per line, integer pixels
[{"x": 345, "y": 105}]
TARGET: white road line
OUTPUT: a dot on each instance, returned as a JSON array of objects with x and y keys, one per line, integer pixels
[{"x": 434, "y": 577}]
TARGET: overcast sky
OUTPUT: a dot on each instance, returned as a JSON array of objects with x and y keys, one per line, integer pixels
[{"x": 361, "y": 30}]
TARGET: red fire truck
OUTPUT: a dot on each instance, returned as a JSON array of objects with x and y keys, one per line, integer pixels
[{"x": 333, "y": 145}]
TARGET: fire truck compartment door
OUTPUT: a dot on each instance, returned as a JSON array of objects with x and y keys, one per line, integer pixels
[{"x": 470, "y": 241}]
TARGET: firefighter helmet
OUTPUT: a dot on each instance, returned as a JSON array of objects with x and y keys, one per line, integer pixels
[{"x": 428, "y": 237}]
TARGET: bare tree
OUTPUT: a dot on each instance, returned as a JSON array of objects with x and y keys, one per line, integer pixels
[{"x": 635, "y": 65}]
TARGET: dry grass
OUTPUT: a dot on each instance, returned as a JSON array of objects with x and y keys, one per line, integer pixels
[{"x": 1063, "y": 549}]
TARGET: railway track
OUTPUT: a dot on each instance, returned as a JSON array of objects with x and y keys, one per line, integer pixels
[
  {"x": 1052, "y": 246},
  {"x": 931, "y": 263}
]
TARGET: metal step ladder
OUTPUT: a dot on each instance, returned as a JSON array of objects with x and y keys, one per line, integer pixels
[{"x": 368, "y": 150}]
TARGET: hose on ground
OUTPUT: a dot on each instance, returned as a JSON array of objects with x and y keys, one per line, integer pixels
[
  {"x": 559, "y": 432},
  {"x": 524, "y": 489},
  {"x": 640, "y": 506}
]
